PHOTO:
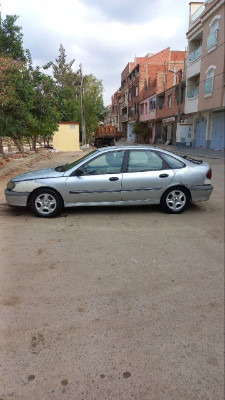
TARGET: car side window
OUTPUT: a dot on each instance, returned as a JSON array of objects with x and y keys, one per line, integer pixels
[
  {"x": 144, "y": 160},
  {"x": 108, "y": 163},
  {"x": 173, "y": 162}
]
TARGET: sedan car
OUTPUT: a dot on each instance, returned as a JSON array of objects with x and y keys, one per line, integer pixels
[{"x": 126, "y": 175}]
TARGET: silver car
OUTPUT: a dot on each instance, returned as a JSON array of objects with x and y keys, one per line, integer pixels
[{"x": 126, "y": 175}]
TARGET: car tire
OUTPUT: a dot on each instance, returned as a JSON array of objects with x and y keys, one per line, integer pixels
[
  {"x": 175, "y": 200},
  {"x": 46, "y": 203}
]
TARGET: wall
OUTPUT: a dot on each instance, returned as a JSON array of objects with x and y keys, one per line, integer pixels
[
  {"x": 67, "y": 137},
  {"x": 215, "y": 58}
]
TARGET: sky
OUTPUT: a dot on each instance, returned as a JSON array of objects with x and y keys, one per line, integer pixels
[{"x": 102, "y": 35}]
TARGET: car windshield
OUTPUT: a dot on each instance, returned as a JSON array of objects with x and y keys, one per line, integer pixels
[{"x": 64, "y": 168}]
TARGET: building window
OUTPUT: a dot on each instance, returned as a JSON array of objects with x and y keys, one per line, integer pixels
[
  {"x": 208, "y": 84},
  {"x": 169, "y": 101},
  {"x": 152, "y": 104},
  {"x": 213, "y": 35},
  {"x": 72, "y": 126}
]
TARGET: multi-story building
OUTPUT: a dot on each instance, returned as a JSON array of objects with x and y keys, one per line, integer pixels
[
  {"x": 138, "y": 88},
  {"x": 115, "y": 111},
  {"x": 205, "y": 95},
  {"x": 170, "y": 109}
]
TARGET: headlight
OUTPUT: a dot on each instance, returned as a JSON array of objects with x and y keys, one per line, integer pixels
[{"x": 11, "y": 185}]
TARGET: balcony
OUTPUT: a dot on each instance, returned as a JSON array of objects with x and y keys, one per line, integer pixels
[
  {"x": 208, "y": 87},
  {"x": 192, "y": 92},
  {"x": 212, "y": 40},
  {"x": 193, "y": 68},
  {"x": 195, "y": 54},
  {"x": 124, "y": 118},
  {"x": 198, "y": 13}
]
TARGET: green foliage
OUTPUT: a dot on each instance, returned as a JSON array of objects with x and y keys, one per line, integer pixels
[
  {"x": 93, "y": 102},
  {"x": 69, "y": 94},
  {"x": 140, "y": 128},
  {"x": 11, "y": 38},
  {"x": 31, "y": 102},
  {"x": 64, "y": 76}
]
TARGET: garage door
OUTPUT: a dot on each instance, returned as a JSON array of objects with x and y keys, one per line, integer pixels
[{"x": 218, "y": 131}]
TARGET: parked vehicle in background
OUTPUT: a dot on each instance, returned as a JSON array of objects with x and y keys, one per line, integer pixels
[
  {"x": 125, "y": 175},
  {"x": 106, "y": 135}
]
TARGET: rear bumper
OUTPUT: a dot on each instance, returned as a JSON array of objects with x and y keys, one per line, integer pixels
[
  {"x": 16, "y": 198},
  {"x": 201, "y": 192}
]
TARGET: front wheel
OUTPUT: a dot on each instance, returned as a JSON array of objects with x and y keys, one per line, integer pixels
[
  {"x": 46, "y": 203},
  {"x": 175, "y": 200}
]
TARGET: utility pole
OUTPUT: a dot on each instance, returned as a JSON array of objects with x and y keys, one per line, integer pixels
[{"x": 82, "y": 109}]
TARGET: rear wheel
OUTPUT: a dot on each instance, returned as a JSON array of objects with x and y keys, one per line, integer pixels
[
  {"x": 46, "y": 203},
  {"x": 175, "y": 200}
]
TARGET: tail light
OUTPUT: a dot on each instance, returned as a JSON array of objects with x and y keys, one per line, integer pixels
[{"x": 209, "y": 174}]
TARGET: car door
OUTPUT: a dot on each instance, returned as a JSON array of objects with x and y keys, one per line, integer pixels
[
  {"x": 147, "y": 176},
  {"x": 96, "y": 181}
]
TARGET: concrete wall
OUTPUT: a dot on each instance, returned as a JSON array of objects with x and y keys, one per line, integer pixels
[{"x": 214, "y": 57}]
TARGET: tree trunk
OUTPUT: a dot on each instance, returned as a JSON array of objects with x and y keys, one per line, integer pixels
[
  {"x": 19, "y": 145},
  {"x": 1, "y": 147},
  {"x": 34, "y": 142},
  {"x": 28, "y": 139}
]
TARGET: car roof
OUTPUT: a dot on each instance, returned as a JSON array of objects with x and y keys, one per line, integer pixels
[{"x": 128, "y": 147}]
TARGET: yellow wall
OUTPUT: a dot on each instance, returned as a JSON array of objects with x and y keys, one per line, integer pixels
[{"x": 67, "y": 137}]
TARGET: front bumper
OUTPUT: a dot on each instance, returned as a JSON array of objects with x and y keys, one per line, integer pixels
[
  {"x": 201, "y": 192},
  {"x": 16, "y": 198}
]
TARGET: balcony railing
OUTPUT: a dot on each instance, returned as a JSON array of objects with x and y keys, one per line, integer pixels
[
  {"x": 195, "y": 54},
  {"x": 208, "y": 86},
  {"x": 192, "y": 93},
  {"x": 212, "y": 39},
  {"x": 197, "y": 13},
  {"x": 124, "y": 118}
]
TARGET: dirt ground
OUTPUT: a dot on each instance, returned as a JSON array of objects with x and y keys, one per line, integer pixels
[{"x": 112, "y": 303}]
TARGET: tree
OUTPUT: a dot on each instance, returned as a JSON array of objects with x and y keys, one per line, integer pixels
[
  {"x": 44, "y": 115},
  {"x": 69, "y": 93},
  {"x": 8, "y": 68},
  {"x": 11, "y": 43},
  {"x": 68, "y": 86},
  {"x": 65, "y": 77},
  {"x": 29, "y": 107},
  {"x": 93, "y": 103},
  {"x": 11, "y": 48},
  {"x": 141, "y": 129}
]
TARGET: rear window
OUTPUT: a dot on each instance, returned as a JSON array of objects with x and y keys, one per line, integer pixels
[
  {"x": 193, "y": 160},
  {"x": 174, "y": 163}
]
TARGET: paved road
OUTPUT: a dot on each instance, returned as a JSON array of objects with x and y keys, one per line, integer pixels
[{"x": 112, "y": 303}]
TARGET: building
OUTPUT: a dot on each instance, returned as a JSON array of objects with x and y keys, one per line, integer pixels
[
  {"x": 136, "y": 99},
  {"x": 205, "y": 95},
  {"x": 115, "y": 110},
  {"x": 67, "y": 137},
  {"x": 170, "y": 109}
]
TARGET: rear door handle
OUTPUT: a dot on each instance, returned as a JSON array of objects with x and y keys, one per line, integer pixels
[
  {"x": 114, "y": 178},
  {"x": 163, "y": 176}
]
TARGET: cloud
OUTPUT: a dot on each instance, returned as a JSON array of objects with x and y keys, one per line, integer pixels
[{"x": 103, "y": 35}]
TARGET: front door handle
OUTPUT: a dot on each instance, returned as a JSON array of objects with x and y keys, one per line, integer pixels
[
  {"x": 114, "y": 178},
  {"x": 163, "y": 176}
]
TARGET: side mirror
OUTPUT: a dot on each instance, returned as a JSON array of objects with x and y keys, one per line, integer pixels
[{"x": 78, "y": 172}]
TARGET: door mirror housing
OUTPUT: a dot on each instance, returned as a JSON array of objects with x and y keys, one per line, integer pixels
[{"x": 78, "y": 172}]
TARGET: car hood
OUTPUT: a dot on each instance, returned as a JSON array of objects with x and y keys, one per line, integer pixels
[{"x": 38, "y": 174}]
